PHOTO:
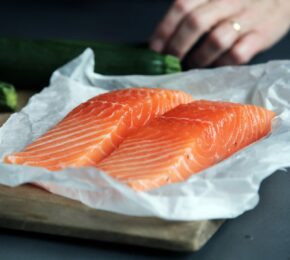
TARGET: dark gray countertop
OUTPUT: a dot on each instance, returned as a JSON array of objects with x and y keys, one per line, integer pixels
[{"x": 262, "y": 233}]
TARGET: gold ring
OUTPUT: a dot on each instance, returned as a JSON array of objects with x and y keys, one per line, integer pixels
[{"x": 236, "y": 26}]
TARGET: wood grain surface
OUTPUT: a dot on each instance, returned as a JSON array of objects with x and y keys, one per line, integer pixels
[{"x": 30, "y": 208}]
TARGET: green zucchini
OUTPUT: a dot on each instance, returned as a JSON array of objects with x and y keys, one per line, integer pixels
[
  {"x": 29, "y": 63},
  {"x": 8, "y": 97}
]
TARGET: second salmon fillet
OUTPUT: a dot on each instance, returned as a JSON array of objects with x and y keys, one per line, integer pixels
[
  {"x": 91, "y": 131},
  {"x": 185, "y": 141}
]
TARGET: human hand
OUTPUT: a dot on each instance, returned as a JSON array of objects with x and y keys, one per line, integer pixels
[{"x": 236, "y": 30}]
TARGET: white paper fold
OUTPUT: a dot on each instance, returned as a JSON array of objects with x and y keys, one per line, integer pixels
[{"x": 225, "y": 190}]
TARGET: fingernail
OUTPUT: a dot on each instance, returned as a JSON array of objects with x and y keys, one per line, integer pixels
[{"x": 156, "y": 45}]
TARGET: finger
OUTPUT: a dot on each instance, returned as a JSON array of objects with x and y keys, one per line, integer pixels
[
  {"x": 221, "y": 39},
  {"x": 217, "y": 42},
  {"x": 168, "y": 25},
  {"x": 198, "y": 22},
  {"x": 243, "y": 50}
]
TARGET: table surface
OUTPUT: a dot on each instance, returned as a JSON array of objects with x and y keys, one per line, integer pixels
[{"x": 262, "y": 233}]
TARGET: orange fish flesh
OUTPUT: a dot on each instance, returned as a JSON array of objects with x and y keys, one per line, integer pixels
[
  {"x": 91, "y": 131},
  {"x": 185, "y": 141}
]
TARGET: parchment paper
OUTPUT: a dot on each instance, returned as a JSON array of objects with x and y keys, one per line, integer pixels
[{"x": 225, "y": 190}]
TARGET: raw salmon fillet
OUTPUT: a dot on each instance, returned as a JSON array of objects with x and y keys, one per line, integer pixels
[
  {"x": 91, "y": 131},
  {"x": 184, "y": 141}
]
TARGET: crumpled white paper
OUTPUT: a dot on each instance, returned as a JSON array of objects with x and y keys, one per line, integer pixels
[{"x": 225, "y": 190}]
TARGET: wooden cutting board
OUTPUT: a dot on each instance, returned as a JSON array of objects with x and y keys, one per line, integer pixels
[{"x": 30, "y": 208}]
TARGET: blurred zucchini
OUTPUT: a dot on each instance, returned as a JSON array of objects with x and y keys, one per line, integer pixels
[
  {"x": 8, "y": 97},
  {"x": 30, "y": 63}
]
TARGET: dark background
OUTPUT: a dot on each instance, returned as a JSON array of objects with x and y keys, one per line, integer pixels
[
  {"x": 119, "y": 21},
  {"x": 263, "y": 233}
]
